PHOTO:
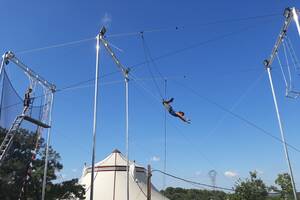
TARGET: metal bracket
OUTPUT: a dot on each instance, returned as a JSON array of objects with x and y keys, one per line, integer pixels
[
  {"x": 266, "y": 64},
  {"x": 103, "y": 31}
]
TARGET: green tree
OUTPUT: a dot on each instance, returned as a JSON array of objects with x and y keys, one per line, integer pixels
[
  {"x": 14, "y": 168},
  {"x": 193, "y": 194},
  {"x": 66, "y": 190},
  {"x": 285, "y": 184},
  {"x": 250, "y": 189}
]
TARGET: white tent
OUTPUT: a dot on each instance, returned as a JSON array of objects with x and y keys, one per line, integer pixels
[{"x": 110, "y": 180}]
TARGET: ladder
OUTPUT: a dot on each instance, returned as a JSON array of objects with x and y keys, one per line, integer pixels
[{"x": 9, "y": 137}]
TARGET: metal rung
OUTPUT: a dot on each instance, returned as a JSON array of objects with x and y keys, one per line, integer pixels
[
  {"x": 13, "y": 130},
  {"x": 9, "y": 137}
]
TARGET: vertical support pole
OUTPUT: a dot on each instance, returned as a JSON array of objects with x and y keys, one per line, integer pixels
[
  {"x": 127, "y": 131},
  {"x": 165, "y": 141},
  {"x": 2, "y": 63},
  {"x": 47, "y": 149},
  {"x": 1, "y": 71},
  {"x": 149, "y": 175},
  {"x": 125, "y": 73},
  {"x": 282, "y": 133},
  {"x": 95, "y": 117}
]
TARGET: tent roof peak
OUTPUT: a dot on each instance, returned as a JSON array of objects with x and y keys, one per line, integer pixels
[{"x": 116, "y": 151}]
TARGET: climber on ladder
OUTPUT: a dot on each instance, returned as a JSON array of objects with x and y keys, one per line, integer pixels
[
  {"x": 178, "y": 114},
  {"x": 27, "y": 99}
]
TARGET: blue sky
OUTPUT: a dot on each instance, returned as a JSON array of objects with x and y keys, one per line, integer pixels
[{"x": 227, "y": 70}]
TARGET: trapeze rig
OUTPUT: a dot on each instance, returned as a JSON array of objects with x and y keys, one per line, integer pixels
[
  {"x": 10, "y": 56},
  {"x": 125, "y": 72},
  {"x": 289, "y": 14},
  {"x": 43, "y": 123}
]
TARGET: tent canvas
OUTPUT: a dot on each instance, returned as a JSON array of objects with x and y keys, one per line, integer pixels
[{"x": 110, "y": 180}]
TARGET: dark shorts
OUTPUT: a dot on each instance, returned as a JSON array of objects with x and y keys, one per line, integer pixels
[{"x": 172, "y": 112}]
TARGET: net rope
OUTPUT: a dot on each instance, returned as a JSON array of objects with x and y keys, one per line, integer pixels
[{"x": 11, "y": 106}]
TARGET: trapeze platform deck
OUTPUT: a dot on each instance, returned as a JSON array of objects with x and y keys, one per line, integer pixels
[{"x": 36, "y": 122}]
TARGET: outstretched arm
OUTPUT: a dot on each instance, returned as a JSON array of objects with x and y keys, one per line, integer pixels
[{"x": 169, "y": 101}]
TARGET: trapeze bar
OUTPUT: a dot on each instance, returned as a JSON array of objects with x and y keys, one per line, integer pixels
[
  {"x": 292, "y": 94},
  {"x": 36, "y": 122}
]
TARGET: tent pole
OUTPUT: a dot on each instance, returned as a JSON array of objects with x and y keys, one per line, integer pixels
[
  {"x": 95, "y": 117},
  {"x": 47, "y": 149},
  {"x": 127, "y": 131},
  {"x": 282, "y": 133}
]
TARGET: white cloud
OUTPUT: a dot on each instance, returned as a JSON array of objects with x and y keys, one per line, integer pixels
[
  {"x": 74, "y": 170},
  {"x": 155, "y": 159},
  {"x": 230, "y": 174},
  {"x": 106, "y": 19}
]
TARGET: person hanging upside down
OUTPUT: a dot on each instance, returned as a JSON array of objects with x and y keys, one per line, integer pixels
[{"x": 170, "y": 109}]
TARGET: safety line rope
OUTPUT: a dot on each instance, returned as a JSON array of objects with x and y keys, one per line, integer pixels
[
  {"x": 192, "y": 182},
  {"x": 282, "y": 71},
  {"x": 64, "y": 44},
  {"x": 254, "y": 125},
  {"x": 293, "y": 53},
  {"x": 288, "y": 66},
  {"x": 148, "y": 66}
]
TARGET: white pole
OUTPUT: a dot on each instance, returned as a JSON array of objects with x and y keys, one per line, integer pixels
[
  {"x": 165, "y": 141},
  {"x": 282, "y": 133},
  {"x": 95, "y": 117},
  {"x": 127, "y": 131},
  {"x": 125, "y": 72},
  {"x": 47, "y": 149},
  {"x": 2, "y": 63}
]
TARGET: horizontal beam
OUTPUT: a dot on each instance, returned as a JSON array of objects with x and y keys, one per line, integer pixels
[
  {"x": 10, "y": 56},
  {"x": 124, "y": 69},
  {"x": 288, "y": 14}
]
